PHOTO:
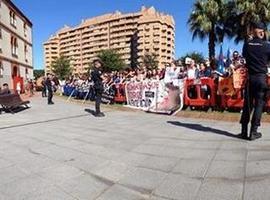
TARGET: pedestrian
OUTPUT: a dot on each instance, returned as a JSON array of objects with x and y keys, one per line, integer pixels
[
  {"x": 256, "y": 51},
  {"x": 49, "y": 87},
  {"x": 97, "y": 78},
  {"x": 44, "y": 88}
]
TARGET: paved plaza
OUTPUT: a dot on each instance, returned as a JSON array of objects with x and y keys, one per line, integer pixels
[{"x": 62, "y": 152}]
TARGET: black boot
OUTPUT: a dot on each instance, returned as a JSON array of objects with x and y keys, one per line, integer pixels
[
  {"x": 254, "y": 134},
  {"x": 244, "y": 132}
]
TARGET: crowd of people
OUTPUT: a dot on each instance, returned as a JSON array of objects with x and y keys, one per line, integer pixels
[{"x": 80, "y": 85}]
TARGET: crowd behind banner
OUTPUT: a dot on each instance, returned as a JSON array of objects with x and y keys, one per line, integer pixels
[{"x": 160, "y": 90}]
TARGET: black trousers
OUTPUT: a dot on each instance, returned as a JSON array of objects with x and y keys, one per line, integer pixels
[
  {"x": 50, "y": 96},
  {"x": 44, "y": 92},
  {"x": 254, "y": 100},
  {"x": 98, "y": 100}
]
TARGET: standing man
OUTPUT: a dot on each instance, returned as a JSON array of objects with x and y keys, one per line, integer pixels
[
  {"x": 44, "y": 88},
  {"x": 49, "y": 87},
  {"x": 97, "y": 78},
  {"x": 257, "y": 54}
]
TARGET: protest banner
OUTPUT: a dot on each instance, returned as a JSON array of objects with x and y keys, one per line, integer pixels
[
  {"x": 141, "y": 95},
  {"x": 225, "y": 86},
  {"x": 155, "y": 96},
  {"x": 239, "y": 77}
]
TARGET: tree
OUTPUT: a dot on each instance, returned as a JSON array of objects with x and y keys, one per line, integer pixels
[
  {"x": 38, "y": 73},
  {"x": 150, "y": 61},
  {"x": 245, "y": 12},
  {"x": 61, "y": 67},
  {"x": 111, "y": 60},
  {"x": 207, "y": 21},
  {"x": 197, "y": 57}
]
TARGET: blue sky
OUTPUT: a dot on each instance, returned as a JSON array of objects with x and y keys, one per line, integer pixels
[{"x": 50, "y": 15}]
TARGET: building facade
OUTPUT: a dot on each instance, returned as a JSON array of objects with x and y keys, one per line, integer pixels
[
  {"x": 132, "y": 35},
  {"x": 15, "y": 45}
]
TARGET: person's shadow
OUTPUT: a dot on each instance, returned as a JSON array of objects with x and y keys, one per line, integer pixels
[
  {"x": 199, "y": 127},
  {"x": 92, "y": 112}
]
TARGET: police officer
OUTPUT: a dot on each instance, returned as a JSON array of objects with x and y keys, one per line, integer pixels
[
  {"x": 49, "y": 86},
  {"x": 257, "y": 54},
  {"x": 97, "y": 78}
]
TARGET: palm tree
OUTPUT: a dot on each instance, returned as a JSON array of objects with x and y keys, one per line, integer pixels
[
  {"x": 207, "y": 20},
  {"x": 245, "y": 12}
]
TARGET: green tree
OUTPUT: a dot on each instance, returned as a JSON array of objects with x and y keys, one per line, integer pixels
[
  {"x": 111, "y": 60},
  {"x": 207, "y": 21},
  {"x": 38, "y": 73},
  {"x": 197, "y": 57},
  {"x": 150, "y": 61},
  {"x": 61, "y": 67},
  {"x": 243, "y": 13}
]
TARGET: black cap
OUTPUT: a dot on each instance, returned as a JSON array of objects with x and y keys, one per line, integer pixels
[{"x": 259, "y": 25}]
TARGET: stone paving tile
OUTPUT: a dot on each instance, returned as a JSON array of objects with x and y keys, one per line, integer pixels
[
  {"x": 231, "y": 155},
  {"x": 111, "y": 170},
  {"x": 53, "y": 194},
  {"x": 84, "y": 187},
  {"x": 226, "y": 169},
  {"x": 5, "y": 163},
  {"x": 178, "y": 187},
  {"x": 26, "y": 188},
  {"x": 159, "y": 163},
  {"x": 118, "y": 192},
  {"x": 192, "y": 168},
  {"x": 59, "y": 173},
  {"x": 257, "y": 189},
  {"x": 37, "y": 165},
  {"x": 158, "y": 198},
  {"x": 86, "y": 162},
  {"x": 131, "y": 158},
  {"x": 143, "y": 179},
  {"x": 220, "y": 189},
  {"x": 10, "y": 174},
  {"x": 256, "y": 155},
  {"x": 59, "y": 153},
  {"x": 258, "y": 169}
]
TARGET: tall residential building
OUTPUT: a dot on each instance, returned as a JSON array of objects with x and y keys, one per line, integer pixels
[
  {"x": 132, "y": 35},
  {"x": 15, "y": 45}
]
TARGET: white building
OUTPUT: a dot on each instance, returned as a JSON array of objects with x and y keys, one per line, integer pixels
[{"x": 16, "y": 63}]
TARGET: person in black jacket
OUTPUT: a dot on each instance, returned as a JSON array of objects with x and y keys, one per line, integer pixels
[
  {"x": 257, "y": 54},
  {"x": 97, "y": 78},
  {"x": 49, "y": 87}
]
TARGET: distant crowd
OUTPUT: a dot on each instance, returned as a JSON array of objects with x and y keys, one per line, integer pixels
[{"x": 189, "y": 69}]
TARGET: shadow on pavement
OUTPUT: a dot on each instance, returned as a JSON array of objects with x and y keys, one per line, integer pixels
[
  {"x": 92, "y": 112},
  {"x": 199, "y": 127}
]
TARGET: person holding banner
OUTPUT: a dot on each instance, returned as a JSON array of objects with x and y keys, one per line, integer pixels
[
  {"x": 97, "y": 78},
  {"x": 256, "y": 51}
]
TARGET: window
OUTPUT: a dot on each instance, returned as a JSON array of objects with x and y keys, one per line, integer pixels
[
  {"x": 12, "y": 18},
  {"x": 0, "y": 40},
  {"x": 25, "y": 52},
  {"x": 1, "y": 69},
  {"x": 25, "y": 29},
  {"x": 14, "y": 46}
]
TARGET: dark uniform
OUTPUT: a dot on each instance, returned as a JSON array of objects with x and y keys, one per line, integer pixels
[
  {"x": 98, "y": 87},
  {"x": 49, "y": 87},
  {"x": 257, "y": 54}
]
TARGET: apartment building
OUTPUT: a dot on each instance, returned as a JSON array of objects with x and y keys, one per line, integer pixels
[
  {"x": 132, "y": 35},
  {"x": 15, "y": 45}
]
